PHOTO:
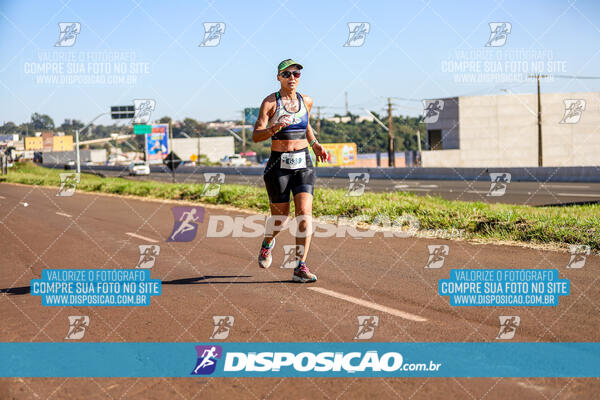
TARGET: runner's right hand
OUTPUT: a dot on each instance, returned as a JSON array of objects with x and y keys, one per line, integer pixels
[{"x": 277, "y": 127}]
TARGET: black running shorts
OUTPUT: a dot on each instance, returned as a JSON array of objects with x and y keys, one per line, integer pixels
[{"x": 281, "y": 181}]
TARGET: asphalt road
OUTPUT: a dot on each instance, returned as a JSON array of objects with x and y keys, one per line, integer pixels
[
  {"x": 220, "y": 276},
  {"x": 529, "y": 193}
]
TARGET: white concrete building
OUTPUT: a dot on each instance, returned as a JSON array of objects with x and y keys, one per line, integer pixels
[
  {"x": 214, "y": 148},
  {"x": 502, "y": 131}
]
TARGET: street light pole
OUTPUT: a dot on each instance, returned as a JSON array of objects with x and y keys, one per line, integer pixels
[
  {"x": 171, "y": 153},
  {"x": 77, "y": 151},
  {"x": 539, "y": 118},
  {"x": 391, "y": 153},
  {"x": 77, "y": 140}
]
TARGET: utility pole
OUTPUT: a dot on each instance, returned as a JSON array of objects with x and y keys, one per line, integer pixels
[
  {"x": 346, "y": 97},
  {"x": 172, "y": 158},
  {"x": 391, "y": 160},
  {"x": 419, "y": 147},
  {"x": 198, "y": 159},
  {"x": 318, "y": 120},
  {"x": 243, "y": 132},
  {"x": 539, "y": 118}
]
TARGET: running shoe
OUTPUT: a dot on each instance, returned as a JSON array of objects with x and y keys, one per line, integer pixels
[
  {"x": 265, "y": 258},
  {"x": 302, "y": 274}
]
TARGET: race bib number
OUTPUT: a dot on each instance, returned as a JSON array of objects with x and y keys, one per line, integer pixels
[{"x": 293, "y": 160}]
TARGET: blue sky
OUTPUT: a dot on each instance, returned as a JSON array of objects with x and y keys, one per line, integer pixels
[{"x": 402, "y": 56}]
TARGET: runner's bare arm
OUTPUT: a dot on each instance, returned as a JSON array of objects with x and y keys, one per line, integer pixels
[
  {"x": 308, "y": 101},
  {"x": 261, "y": 132},
  {"x": 319, "y": 150}
]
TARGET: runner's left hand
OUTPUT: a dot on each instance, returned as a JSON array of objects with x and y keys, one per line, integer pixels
[{"x": 320, "y": 152}]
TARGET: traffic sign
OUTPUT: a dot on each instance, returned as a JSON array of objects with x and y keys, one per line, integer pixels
[
  {"x": 122, "y": 112},
  {"x": 172, "y": 161},
  {"x": 140, "y": 129}
]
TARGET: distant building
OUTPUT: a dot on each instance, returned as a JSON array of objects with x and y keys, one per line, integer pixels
[
  {"x": 221, "y": 124},
  {"x": 95, "y": 156},
  {"x": 347, "y": 118},
  {"x": 402, "y": 158},
  {"x": 502, "y": 131},
  {"x": 48, "y": 141},
  {"x": 34, "y": 143},
  {"x": 11, "y": 141},
  {"x": 62, "y": 143},
  {"x": 9, "y": 138},
  {"x": 215, "y": 148}
]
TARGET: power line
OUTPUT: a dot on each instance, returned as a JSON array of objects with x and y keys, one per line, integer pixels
[
  {"x": 575, "y": 77},
  {"x": 406, "y": 99}
]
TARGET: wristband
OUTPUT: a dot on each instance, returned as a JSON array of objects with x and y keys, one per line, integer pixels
[{"x": 313, "y": 142}]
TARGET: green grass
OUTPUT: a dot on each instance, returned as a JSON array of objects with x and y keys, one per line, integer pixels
[{"x": 497, "y": 222}]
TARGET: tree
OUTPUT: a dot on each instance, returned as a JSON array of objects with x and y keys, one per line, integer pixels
[
  {"x": 41, "y": 122},
  {"x": 191, "y": 127},
  {"x": 70, "y": 125},
  {"x": 8, "y": 128}
]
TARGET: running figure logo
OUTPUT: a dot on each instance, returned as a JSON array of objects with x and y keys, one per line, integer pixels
[
  {"x": 358, "y": 33},
  {"x": 291, "y": 254},
  {"x": 578, "y": 255},
  {"x": 212, "y": 34},
  {"x": 207, "y": 359},
  {"x": 498, "y": 34},
  {"x": 437, "y": 255},
  {"x": 508, "y": 327},
  {"x": 366, "y": 326},
  {"x": 500, "y": 181},
  {"x": 358, "y": 183},
  {"x": 68, "y": 33},
  {"x": 148, "y": 254},
  {"x": 77, "y": 326},
  {"x": 432, "y": 110},
  {"x": 143, "y": 110},
  {"x": 68, "y": 183},
  {"x": 213, "y": 183},
  {"x": 223, "y": 324},
  {"x": 185, "y": 225},
  {"x": 574, "y": 108}
]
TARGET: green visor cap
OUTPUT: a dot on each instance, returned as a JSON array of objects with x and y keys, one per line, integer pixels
[{"x": 288, "y": 63}]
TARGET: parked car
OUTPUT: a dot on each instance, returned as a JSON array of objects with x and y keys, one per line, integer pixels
[
  {"x": 233, "y": 160},
  {"x": 69, "y": 164},
  {"x": 138, "y": 168}
]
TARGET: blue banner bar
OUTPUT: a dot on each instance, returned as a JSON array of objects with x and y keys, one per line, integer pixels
[{"x": 300, "y": 359}]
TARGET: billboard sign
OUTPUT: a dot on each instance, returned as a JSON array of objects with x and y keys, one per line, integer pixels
[
  {"x": 340, "y": 154},
  {"x": 157, "y": 143},
  {"x": 250, "y": 115}
]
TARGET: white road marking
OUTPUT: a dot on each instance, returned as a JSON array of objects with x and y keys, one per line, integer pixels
[
  {"x": 2, "y": 197},
  {"x": 579, "y": 194},
  {"x": 565, "y": 186},
  {"x": 369, "y": 304},
  {"x": 416, "y": 190},
  {"x": 141, "y": 237},
  {"x": 414, "y": 186},
  {"x": 63, "y": 214},
  {"x": 478, "y": 191}
]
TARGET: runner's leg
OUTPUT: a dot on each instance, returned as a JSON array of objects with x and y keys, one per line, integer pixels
[
  {"x": 303, "y": 211},
  {"x": 279, "y": 211}
]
